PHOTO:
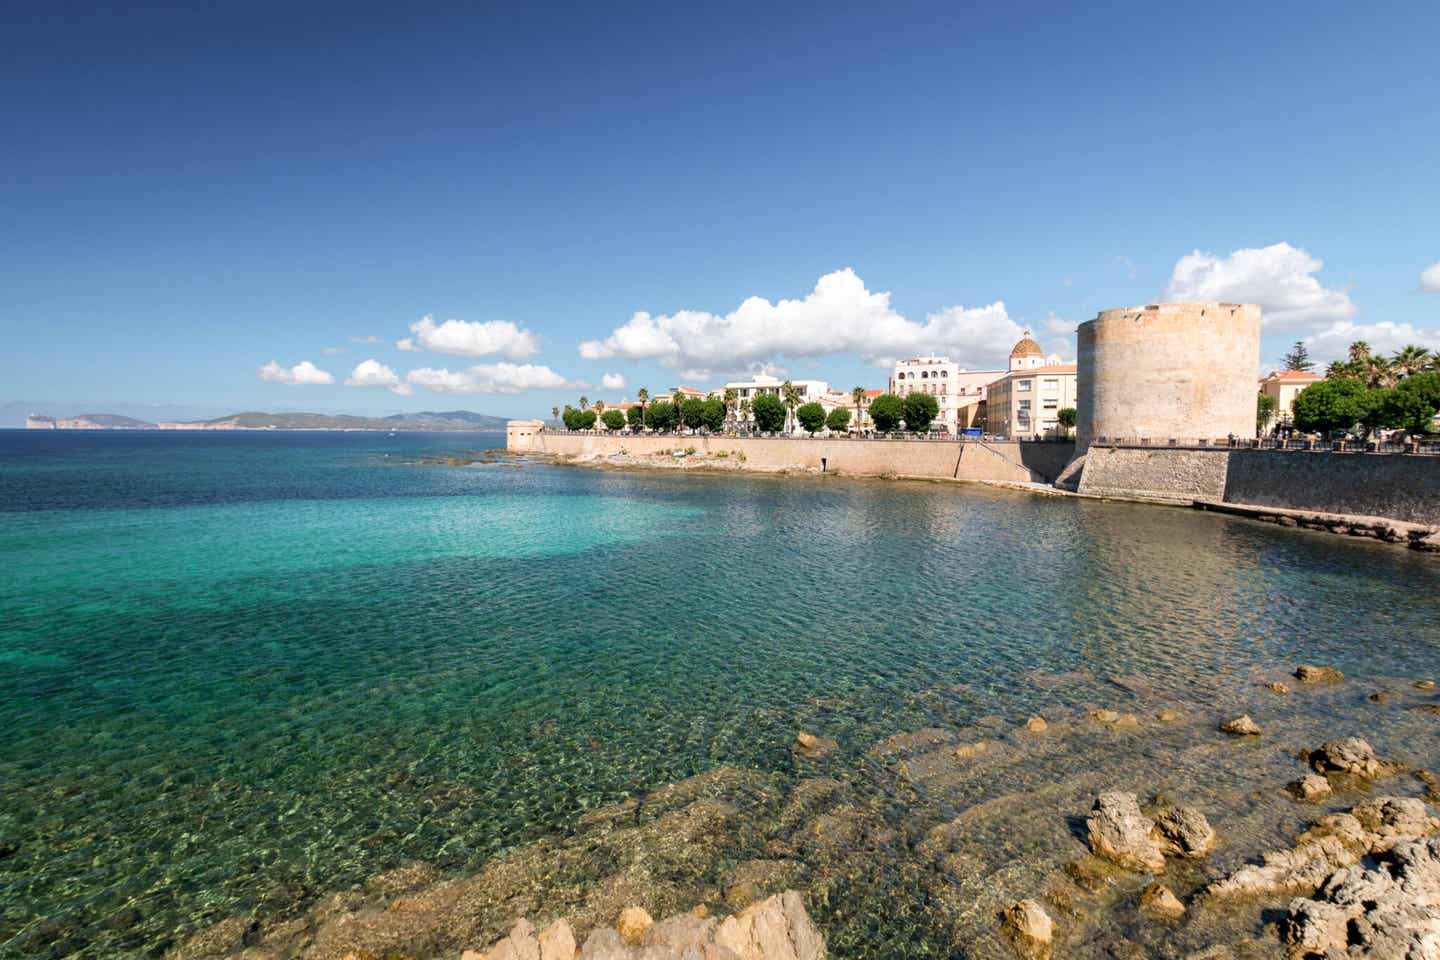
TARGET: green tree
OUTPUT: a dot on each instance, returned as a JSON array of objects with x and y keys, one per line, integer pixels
[
  {"x": 920, "y": 410},
  {"x": 1299, "y": 358},
  {"x": 587, "y": 420},
  {"x": 715, "y": 414},
  {"x": 693, "y": 412},
  {"x": 1330, "y": 405},
  {"x": 769, "y": 412},
  {"x": 613, "y": 419},
  {"x": 731, "y": 401},
  {"x": 554, "y": 413},
  {"x": 811, "y": 416},
  {"x": 790, "y": 395},
  {"x": 1412, "y": 404},
  {"x": 744, "y": 409},
  {"x": 1066, "y": 417},
  {"x": 643, "y": 396},
  {"x": 886, "y": 412},
  {"x": 635, "y": 416},
  {"x": 858, "y": 395},
  {"x": 571, "y": 418},
  {"x": 661, "y": 415},
  {"x": 1410, "y": 360},
  {"x": 838, "y": 420},
  {"x": 1264, "y": 411}
]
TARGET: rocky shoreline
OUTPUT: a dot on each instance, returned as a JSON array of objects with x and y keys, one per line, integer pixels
[{"x": 1088, "y": 832}]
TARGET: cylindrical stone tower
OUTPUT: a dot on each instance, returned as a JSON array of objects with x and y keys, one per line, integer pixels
[{"x": 1172, "y": 370}]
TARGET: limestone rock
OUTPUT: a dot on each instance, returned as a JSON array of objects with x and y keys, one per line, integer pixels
[
  {"x": 777, "y": 928},
  {"x": 1119, "y": 832},
  {"x": 557, "y": 941},
  {"x": 1386, "y": 912},
  {"x": 1277, "y": 686},
  {"x": 216, "y": 940},
  {"x": 1037, "y": 724},
  {"x": 1349, "y": 755},
  {"x": 633, "y": 924},
  {"x": 969, "y": 751},
  {"x": 1312, "y": 788},
  {"x": 1104, "y": 716},
  {"x": 1424, "y": 684},
  {"x": 1029, "y": 929},
  {"x": 1167, "y": 715},
  {"x": 1307, "y": 673},
  {"x": 1379, "y": 696},
  {"x": 1184, "y": 831},
  {"x": 1160, "y": 901},
  {"x": 813, "y": 747},
  {"x": 522, "y": 944},
  {"x": 1241, "y": 726}
]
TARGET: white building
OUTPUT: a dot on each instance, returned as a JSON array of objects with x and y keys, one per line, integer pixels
[
  {"x": 811, "y": 391},
  {"x": 1025, "y": 403},
  {"x": 957, "y": 391}
]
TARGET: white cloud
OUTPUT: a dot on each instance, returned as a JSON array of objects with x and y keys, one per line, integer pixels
[
  {"x": 1280, "y": 278},
  {"x": 1333, "y": 342},
  {"x": 369, "y": 339},
  {"x": 839, "y": 316},
  {"x": 471, "y": 339},
  {"x": 1430, "y": 278},
  {"x": 303, "y": 373},
  {"x": 613, "y": 381},
  {"x": 332, "y": 351},
  {"x": 488, "y": 378},
  {"x": 373, "y": 373}
]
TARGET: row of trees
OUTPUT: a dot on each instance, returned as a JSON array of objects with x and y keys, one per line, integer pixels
[
  {"x": 1370, "y": 368},
  {"x": 1348, "y": 403},
  {"x": 771, "y": 413}
]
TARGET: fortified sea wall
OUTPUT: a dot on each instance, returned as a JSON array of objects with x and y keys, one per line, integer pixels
[
  {"x": 1002, "y": 461},
  {"x": 1395, "y": 486}
]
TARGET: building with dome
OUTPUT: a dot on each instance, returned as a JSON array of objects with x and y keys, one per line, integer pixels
[
  {"x": 959, "y": 393},
  {"x": 1024, "y": 403}
]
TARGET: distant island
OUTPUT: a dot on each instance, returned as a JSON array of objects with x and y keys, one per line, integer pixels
[{"x": 427, "y": 420}]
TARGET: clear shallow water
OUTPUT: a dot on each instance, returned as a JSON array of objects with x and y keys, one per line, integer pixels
[{"x": 238, "y": 671}]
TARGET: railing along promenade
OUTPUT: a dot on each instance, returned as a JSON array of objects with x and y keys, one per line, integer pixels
[{"x": 1411, "y": 448}]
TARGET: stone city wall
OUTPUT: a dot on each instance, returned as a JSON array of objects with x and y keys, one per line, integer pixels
[
  {"x": 1395, "y": 486},
  {"x": 1006, "y": 461}
]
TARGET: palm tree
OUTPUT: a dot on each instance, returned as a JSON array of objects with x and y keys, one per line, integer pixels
[
  {"x": 599, "y": 408},
  {"x": 745, "y": 413},
  {"x": 642, "y": 395},
  {"x": 731, "y": 396},
  {"x": 584, "y": 402},
  {"x": 1410, "y": 360},
  {"x": 858, "y": 395},
  {"x": 555, "y": 413},
  {"x": 790, "y": 396}
]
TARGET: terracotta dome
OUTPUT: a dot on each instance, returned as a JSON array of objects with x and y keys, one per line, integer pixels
[{"x": 1026, "y": 348}]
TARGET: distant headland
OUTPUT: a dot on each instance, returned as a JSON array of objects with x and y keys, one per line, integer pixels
[{"x": 427, "y": 420}]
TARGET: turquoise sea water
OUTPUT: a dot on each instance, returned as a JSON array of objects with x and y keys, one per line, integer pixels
[{"x": 238, "y": 671}]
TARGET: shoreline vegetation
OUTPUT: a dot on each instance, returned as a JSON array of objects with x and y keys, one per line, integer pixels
[{"x": 1239, "y": 824}]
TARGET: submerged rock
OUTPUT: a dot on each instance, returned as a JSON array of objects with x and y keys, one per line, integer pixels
[
  {"x": 1184, "y": 831},
  {"x": 813, "y": 747},
  {"x": 1241, "y": 726},
  {"x": 1312, "y": 788},
  {"x": 1037, "y": 724},
  {"x": 1307, "y": 673},
  {"x": 1119, "y": 832},
  {"x": 1276, "y": 686},
  {"x": 1424, "y": 684},
  {"x": 1349, "y": 755},
  {"x": 1029, "y": 929},
  {"x": 1160, "y": 901}
]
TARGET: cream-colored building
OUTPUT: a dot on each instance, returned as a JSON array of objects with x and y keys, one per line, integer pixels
[
  {"x": 958, "y": 392},
  {"x": 1283, "y": 386},
  {"x": 1025, "y": 403},
  {"x": 811, "y": 391}
]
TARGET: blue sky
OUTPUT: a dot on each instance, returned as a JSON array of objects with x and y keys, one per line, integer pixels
[{"x": 191, "y": 192}]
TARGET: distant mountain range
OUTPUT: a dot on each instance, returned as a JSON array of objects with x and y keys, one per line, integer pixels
[{"x": 427, "y": 420}]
